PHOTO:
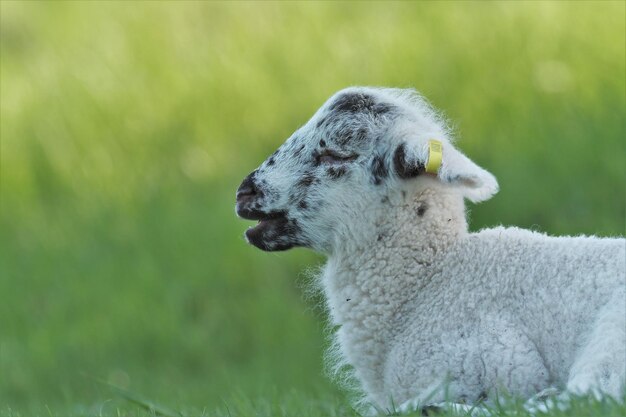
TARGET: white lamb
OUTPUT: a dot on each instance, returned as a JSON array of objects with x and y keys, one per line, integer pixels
[{"x": 426, "y": 311}]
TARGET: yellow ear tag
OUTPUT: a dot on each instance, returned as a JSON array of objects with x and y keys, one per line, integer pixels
[{"x": 435, "y": 153}]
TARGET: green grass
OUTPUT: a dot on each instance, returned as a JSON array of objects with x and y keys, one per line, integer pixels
[
  {"x": 126, "y": 128},
  {"x": 125, "y": 403}
]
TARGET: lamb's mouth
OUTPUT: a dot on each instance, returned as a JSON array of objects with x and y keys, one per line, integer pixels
[
  {"x": 252, "y": 214},
  {"x": 273, "y": 232},
  {"x": 266, "y": 222}
]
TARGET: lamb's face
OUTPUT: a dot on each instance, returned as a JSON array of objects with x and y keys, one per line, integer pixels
[
  {"x": 338, "y": 167},
  {"x": 332, "y": 167}
]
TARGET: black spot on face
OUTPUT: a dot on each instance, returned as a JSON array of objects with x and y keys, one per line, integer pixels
[
  {"x": 344, "y": 136},
  {"x": 303, "y": 204},
  {"x": 321, "y": 122},
  {"x": 379, "y": 169},
  {"x": 347, "y": 135},
  {"x": 271, "y": 161},
  {"x": 305, "y": 181},
  {"x": 421, "y": 209},
  {"x": 336, "y": 172},
  {"x": 322, "y": 143},
  {"x": 361, "y": 134},
  {"x": 403, "y": 168},
  {"x": 300, "y": 149}
]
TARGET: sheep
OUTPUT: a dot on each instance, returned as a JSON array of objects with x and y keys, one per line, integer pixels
[{"x": 425, "y": 311}]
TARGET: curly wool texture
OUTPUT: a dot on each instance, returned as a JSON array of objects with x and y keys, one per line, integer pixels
[
  {"x": 432, "y": 312},
  {"x": 424, "y": 310}
]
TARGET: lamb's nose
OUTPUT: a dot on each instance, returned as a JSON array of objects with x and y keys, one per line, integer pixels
[{"x": 248, "y": 188}]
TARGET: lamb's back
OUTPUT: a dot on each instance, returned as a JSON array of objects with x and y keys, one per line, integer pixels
[{"x": 553, "y": 287}]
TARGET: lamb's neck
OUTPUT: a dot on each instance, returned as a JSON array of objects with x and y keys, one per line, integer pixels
[
  {"x": 371, "y": 280},
  {"x": 394, "y": 255},
  {"x": 408, "y": 231}
]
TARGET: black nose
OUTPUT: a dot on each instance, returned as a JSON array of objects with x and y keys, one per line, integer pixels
[{"x": 248, "y": 188}]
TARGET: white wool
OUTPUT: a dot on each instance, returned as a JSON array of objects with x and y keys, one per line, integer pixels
[{"x": 501, "y": 308}]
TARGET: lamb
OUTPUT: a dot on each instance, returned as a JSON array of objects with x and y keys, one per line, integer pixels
[{"x": 426, "y": 311}]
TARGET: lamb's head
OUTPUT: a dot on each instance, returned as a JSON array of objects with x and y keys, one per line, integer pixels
[{"x": 361, "y": 146}]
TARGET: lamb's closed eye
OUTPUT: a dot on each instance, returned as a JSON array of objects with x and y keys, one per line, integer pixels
[{"x": 329, "y": 157}]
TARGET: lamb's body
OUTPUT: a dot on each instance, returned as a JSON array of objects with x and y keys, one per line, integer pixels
[
  {"x": 429, "y": 309},
  {"x": 425, "y": 310}
]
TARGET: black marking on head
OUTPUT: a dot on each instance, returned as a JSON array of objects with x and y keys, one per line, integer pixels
[
  {"x": 379, "y": 169},
  {"x": 270, "y": 161},
  {"x": 349, "y": 135},
  {"x": 361, "y": 134},
  {"x": 316, "y": 158},
  {"x": 384, "y": 200},
  {"x": 297, "y": 151},
  {"x": 306, "y": 181},
  {"x": 352, "y": 103},
  {"x": 382, "y": 108},
  {"x": 320, "y": 122},
  {"x": 322, "y": 143},
  {"x": 402, "y": 167},
  {"x": 303, "y": 204},
  {"x": 421, "y": 209},
  {"x": 344, "y": 136},
  {"x": 359, "y": 103},
  {"x": 336, "y": 172}
]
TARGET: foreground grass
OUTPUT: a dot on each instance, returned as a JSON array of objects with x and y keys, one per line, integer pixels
[{"x": 127, "y": 404}]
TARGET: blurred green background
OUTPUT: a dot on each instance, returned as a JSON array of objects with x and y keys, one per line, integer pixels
[{"x": 127, "y": 127}]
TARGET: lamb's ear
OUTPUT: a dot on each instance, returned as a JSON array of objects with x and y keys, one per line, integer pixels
[{"x": 475, "y": 183}]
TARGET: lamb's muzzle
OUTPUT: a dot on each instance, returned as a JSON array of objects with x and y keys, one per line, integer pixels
[{"x": 274, "y": 231}]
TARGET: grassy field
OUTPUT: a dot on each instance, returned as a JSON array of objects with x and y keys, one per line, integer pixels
[{"x": 127, "y": 127}]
